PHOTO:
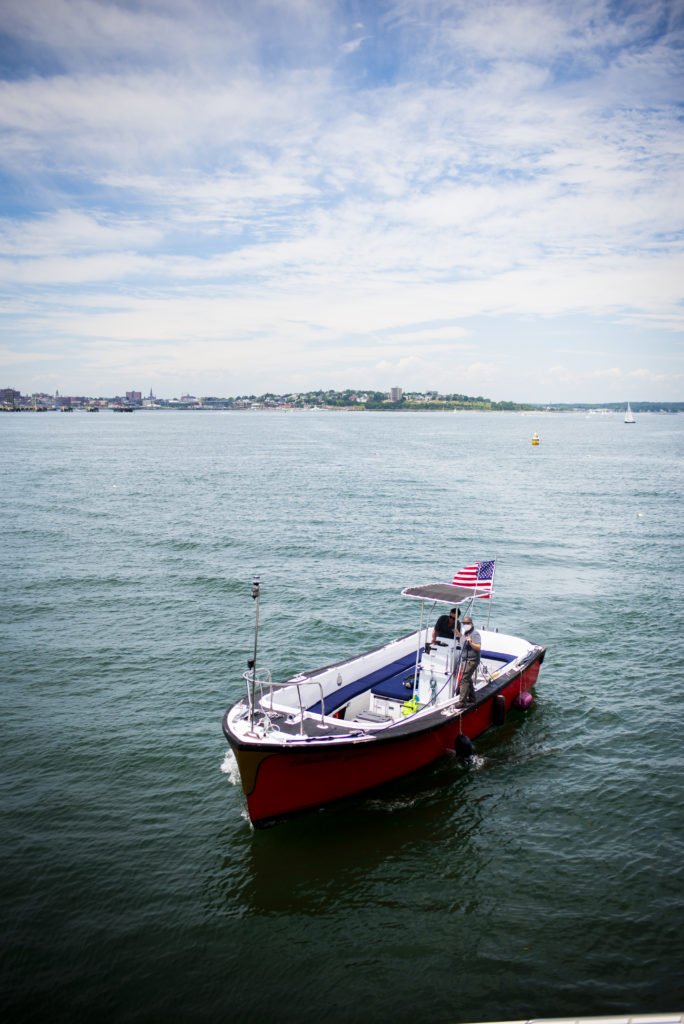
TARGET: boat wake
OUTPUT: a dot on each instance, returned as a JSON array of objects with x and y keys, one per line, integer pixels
[
  {"x": 474, "y": 764},
  {"x": 229, "y": 767},
  {"x": 402, "y": 803}
]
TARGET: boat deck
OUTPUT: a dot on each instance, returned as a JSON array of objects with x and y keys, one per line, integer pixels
[
  {"x": 312, "y": 728},
  {"x": 400, "y": 692}
]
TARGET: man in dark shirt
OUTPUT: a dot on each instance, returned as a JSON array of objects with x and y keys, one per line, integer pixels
[{"x": 444, "y": 626}]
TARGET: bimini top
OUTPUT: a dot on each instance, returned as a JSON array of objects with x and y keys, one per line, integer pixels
[{"x": 443, "y": 593}]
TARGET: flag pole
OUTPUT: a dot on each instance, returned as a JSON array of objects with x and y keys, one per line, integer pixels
[{"x": 491, "y": 591}]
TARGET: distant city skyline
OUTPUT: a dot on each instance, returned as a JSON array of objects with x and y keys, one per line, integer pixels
[
  {"x": 274, "y": 196},
  {"x": 393, "y": 398}
]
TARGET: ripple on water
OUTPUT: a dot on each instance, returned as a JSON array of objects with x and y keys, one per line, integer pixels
[{"x": 542, "y": 879}]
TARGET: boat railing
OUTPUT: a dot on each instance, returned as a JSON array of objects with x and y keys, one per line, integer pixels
[{"x": 262, "y": 679}]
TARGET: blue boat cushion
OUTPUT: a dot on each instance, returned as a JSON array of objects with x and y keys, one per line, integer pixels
[
  {"x": 393, "y": 687},
  {"x": 387, "y": 682},
  {"x": 498, "y": 656},
  {"x": 397, "y": 670}
]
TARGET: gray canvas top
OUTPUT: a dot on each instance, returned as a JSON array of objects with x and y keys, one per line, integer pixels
[{"x": 444, "y": 593}]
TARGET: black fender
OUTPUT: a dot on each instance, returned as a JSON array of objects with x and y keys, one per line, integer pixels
[
  {"x": 499, "y": 709},
  {"x": 463, "y": 747}
]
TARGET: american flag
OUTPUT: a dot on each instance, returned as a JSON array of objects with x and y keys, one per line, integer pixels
[{"x": 478, "y": 576}]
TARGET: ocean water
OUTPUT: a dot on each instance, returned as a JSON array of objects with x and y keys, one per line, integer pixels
[{"x": 545, "y": 879}]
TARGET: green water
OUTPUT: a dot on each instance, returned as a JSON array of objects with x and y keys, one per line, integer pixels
[{"x": 544, "y": 879}]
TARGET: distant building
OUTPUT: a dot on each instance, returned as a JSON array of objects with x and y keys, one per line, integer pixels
[
  {"x": 70, "y": 401},
  {"x": 8, "y": 396},
  {"x": 134, "y": 396},
  {"x": 396, "y": 394}
]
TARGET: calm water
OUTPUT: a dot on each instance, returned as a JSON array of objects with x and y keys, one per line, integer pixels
[{"x": 544, "y": 879}]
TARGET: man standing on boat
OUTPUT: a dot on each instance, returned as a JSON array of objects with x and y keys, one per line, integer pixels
[
  {"x": 470, "y": 659},
  {"x": 444, "y": 626}
]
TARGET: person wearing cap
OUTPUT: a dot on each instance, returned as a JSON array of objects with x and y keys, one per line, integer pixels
[
  {"x": 470, "y": 659},
  {"x": 445, "y": 625}
]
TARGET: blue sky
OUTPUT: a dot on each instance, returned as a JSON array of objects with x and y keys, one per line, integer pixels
[{"x": 237, "y": 197}]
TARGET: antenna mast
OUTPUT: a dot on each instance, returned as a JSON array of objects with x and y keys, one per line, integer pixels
[{"x": 256, "y": 595}]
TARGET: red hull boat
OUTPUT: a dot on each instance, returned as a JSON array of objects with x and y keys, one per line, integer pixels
[{"x": 327, "y": 734}]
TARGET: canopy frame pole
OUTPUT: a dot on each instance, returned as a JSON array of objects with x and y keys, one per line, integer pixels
[{"x": 420, "y": 634}]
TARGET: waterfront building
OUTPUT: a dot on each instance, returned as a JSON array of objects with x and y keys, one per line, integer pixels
[{"x": 8, "y": 396}]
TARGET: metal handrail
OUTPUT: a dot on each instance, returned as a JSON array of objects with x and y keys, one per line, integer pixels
[{"x": 253, "y": 680}]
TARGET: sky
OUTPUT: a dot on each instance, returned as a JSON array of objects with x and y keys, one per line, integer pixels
[{"x": 225, "y": 197}]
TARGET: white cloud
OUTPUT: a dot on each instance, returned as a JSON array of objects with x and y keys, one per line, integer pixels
[
  {"x": 73, "y": 231},
  {"x": 203, "y": 175},
  {"x": 352, "y": 45},
  {"x": 12, "y": 357}
]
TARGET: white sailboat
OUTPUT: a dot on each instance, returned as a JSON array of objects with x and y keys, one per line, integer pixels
[{"x": 629, "y": 418}]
